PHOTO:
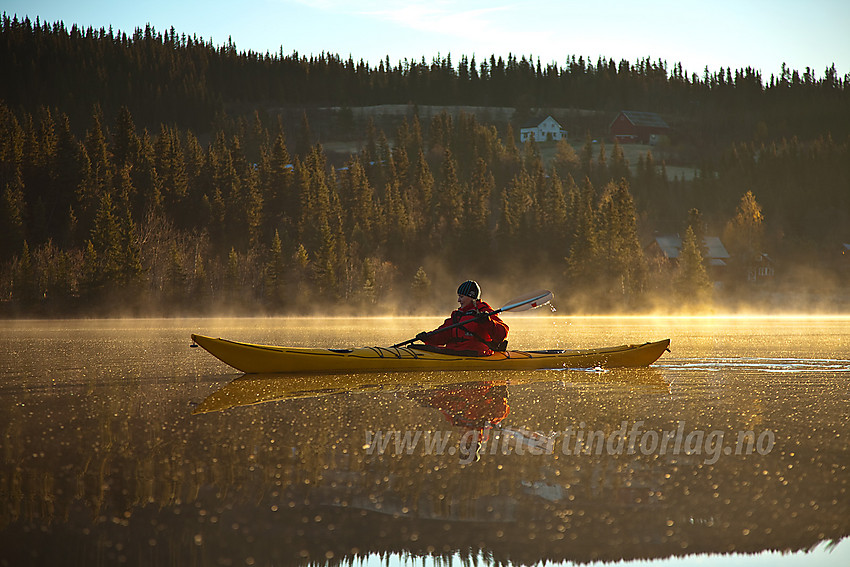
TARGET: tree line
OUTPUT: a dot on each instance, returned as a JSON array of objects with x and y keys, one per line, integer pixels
[
  {"x": 248, "y": 213},
  {"x": 166, "y": 77},
  {"x": 165, "y": 222}
]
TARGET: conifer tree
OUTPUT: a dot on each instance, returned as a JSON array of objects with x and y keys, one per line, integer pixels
[
  {"x": 304, "y": 140},
  {"x": 566, "y": 161},
  {"x": 400, "y": 171},
  {"x": 516, "y": 206},
  {"x": 555, "y": 216},
  {"x": 171, "y": 170},
  {"x": 744, "y": 234},
  {"x": 619, "y": 166},
  {"x": 476, "y": 228},
  {"x": 96, "y": 173},
  {"x": 635, "y": 272},
  {"x": 420, "y": 289},
  {"x": 39, "y": 154},
  {"x": 275, "y": 287},
  {"x": 449, "y": 202},
  {"x": 233, "y": 284},
  {"x": 24, "y": 284},
  {"x": 126, "y": 144},
  {"x": 370, "y": 145},
  {"x": 600, "y": 167},
  {"x": 586, "y": 159},
  {"x": 69, "y": 172},
  {"x": 369, "y": 289},
  {"x": 692, "y": 284},
  {"x": 176, "y": 280},
  {"x": 315, "y": 194},
  {"x": 511, "y": 155},
  {"x": 280, "y": 198},
  {"x": 359, "y": 202},
  {"x": 622, "y": 263},
  {"x": 583, "y": 260},
  {"x": 129, "y": 258},
  {"x": 531, "y": 154},
  {"x": 253, "y": 207},
  {"x": 106, "y": 242},
  {"x": 12, "y": 210},
  {"x": 301, "y": 276},
  {"x": 11, "y": 145},
  {"x": 422, "y": 194},
  {"x": 696, "y": 222},
  {"x": 146, "y": 187},
  {"x": 198, "y": 179},
  {"x": 399, "y": 229}
]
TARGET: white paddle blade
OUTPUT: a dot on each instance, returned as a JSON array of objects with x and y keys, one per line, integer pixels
[{"x": 530, "y": 301}]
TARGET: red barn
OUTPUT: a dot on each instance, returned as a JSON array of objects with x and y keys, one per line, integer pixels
[{"x": 638, "y": 127}]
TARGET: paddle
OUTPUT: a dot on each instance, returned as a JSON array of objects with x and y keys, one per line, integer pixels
[{"x": 522, "y": 303}]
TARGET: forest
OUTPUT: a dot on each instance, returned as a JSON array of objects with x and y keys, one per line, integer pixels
[{"x": 159, "y": 174}]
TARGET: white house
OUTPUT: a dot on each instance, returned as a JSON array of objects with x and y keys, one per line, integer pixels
[{"x": 542, "y": 130}]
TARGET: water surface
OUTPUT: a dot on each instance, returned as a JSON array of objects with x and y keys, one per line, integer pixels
[{"x": 121, "y": 444}]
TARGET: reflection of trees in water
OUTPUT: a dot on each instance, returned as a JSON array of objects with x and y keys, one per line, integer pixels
[{"x": 139, "y": 469}]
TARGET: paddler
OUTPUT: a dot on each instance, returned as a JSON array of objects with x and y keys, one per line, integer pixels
[{"x": 477, "y": 335}]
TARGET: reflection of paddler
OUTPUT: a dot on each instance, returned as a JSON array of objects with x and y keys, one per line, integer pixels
[{"x": 476, "y": 407}]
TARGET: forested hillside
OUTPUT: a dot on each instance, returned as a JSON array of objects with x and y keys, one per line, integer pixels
[{"x": 158, "y": 173}]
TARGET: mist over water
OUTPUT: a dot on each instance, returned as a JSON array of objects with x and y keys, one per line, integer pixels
[{"x": 120, "y": 443}]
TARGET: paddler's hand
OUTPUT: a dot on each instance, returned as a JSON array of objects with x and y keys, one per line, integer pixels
[{"x": 422, "y": 336}]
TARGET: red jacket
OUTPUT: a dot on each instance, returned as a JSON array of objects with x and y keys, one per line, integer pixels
[{"x": 473, "y": 335}]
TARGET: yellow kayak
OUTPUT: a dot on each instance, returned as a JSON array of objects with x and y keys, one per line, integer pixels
[{"x": 257, "y": 359}]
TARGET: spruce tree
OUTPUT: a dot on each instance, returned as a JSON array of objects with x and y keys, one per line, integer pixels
[
  {"x": 359, "y": 203},
  {"x": 449, "y": 202},
  {"x": 476, "y": 228},
  {"x": 692, "y": 284},
  {"x": 566, "y": 161},
  {"x": 555, "y": 216},
  {"x": 275, "y": 284},
  {"x": 744, "y": 235},
  {"x": 422, "y": 195},
  {"x": 12, "y": 211},
  {"x": 631, "y": 259},
  {"x": 281, "y": 202},
  {"x": 420, "y": 289},
  {"x": 253, "y": 207},
  {"x": 586, "y": 159},
  {"x": 583, "y": 260},
  {"x": 106, "y": 241},
  {"x": 126, "y": 144},
  {"x": 171, "y": 169},
  {"x": 619, "y": 165}
]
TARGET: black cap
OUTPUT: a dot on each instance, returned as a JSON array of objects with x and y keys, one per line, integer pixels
[{"x": 470, "y": 289}]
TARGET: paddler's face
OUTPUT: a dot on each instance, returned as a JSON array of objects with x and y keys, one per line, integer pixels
[{"x": 465, "y": 301}]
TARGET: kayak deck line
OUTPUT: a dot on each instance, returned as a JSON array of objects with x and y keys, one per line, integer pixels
[{"x": 259, "y": 359}]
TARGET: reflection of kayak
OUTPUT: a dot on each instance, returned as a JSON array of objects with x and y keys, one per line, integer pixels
[
  {"x": 251, "y": 389},
  {"x": 248, "y": 390},
  {"x": 254, "y": 359}
]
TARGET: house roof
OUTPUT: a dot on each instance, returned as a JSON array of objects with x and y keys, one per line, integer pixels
[
  {"x": 650, "y": 119},
  {"x": 537, "y": 121},
  {"x": 671, "y": 246}
]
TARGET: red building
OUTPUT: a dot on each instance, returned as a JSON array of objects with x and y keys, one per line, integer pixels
[{"x": 630, "y": 127}]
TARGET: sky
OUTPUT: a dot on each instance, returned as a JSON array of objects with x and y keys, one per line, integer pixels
[{"x": 762, "y": 34}]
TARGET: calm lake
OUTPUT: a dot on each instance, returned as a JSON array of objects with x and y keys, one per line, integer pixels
[{"x": 122, "y": 445}]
